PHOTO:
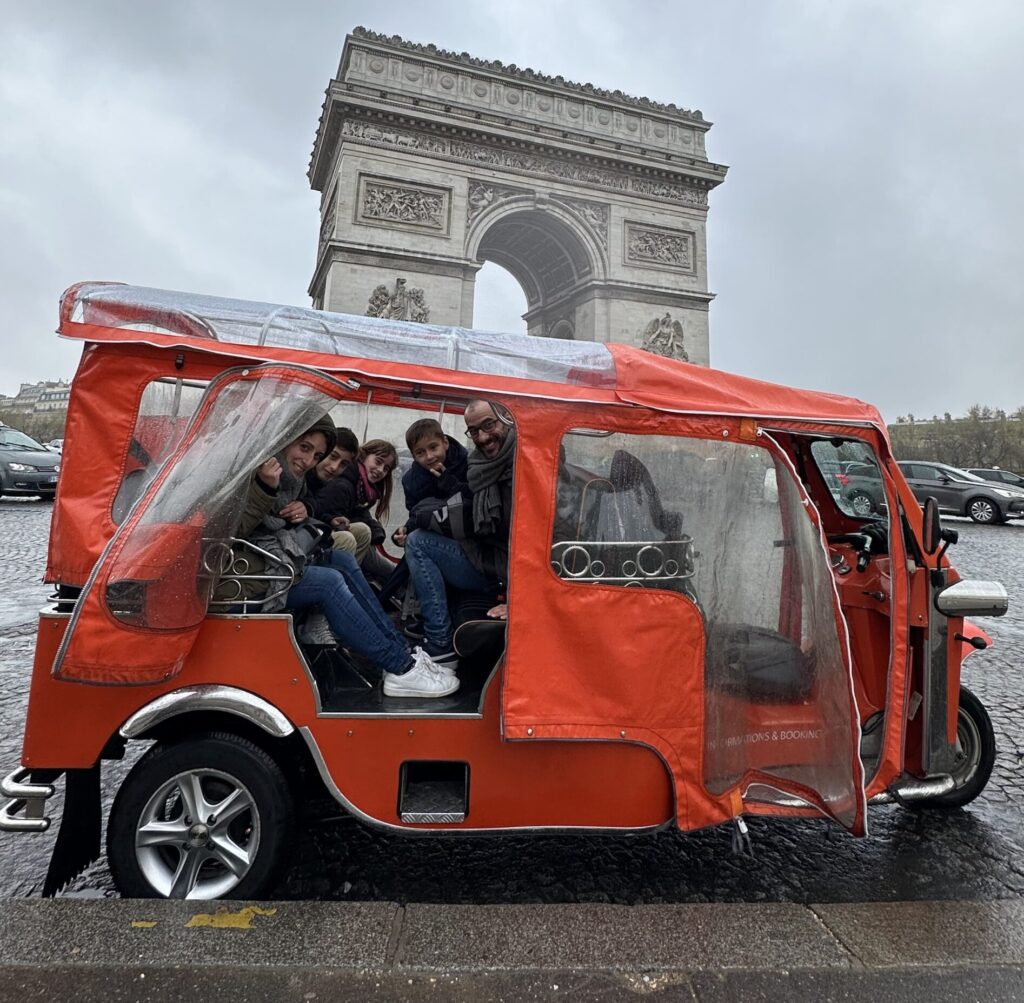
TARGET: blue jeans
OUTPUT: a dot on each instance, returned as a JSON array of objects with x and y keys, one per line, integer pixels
[
  {"x": 434, "y": 560},
  {"x": 355, "y": 616}
]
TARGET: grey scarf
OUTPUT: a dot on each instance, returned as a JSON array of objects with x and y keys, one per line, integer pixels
[{"x": 484, "y": 476}]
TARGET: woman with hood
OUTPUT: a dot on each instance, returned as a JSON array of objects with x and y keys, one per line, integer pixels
[{"x": 275, "y": 519}]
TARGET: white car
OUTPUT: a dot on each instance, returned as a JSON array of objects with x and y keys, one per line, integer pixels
[{"x": 57, "y": 445}]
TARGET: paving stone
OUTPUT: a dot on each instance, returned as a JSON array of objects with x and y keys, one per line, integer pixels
[
  {"x": 615, "y": 938},
  {"x": 906, "y": 934}
]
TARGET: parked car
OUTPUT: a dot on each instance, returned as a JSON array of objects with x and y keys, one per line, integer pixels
[
  {"x": 57, "y": 445},
  {"x": 998, "y": 476},
  {"x": 26, "y": 466},
  {"x": 863, "y": 491},
  {"x": 963, "y": 493}
]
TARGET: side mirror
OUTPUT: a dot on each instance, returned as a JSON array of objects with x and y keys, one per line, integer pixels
[
  {"x": 943, "y": 479},
  {"x": 932, "y": 528}
]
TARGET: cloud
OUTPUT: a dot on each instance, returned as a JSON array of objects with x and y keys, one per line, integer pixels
[{"x": 865, "y": 240}]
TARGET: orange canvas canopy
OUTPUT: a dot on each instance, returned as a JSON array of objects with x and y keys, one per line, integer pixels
[{"x": 596, "y": 662}]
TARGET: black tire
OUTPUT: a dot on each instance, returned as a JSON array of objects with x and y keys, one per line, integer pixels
[
  {"x": 976, "y": 754},
  {"x": 862, "y": 503},
  {"x": 984, "y": 510},
  {"x": 187, "y": 860}
]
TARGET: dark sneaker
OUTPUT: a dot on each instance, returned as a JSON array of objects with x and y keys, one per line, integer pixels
[
  {"x": 442, "y": 654},
  {"x": 413, "y": 629}
]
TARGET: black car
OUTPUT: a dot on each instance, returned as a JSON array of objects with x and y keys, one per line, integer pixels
[
  {"x": 998, "y": 476},
  {"x": 962, "y": 493},
  {"x": 26, "y": 467},
  {"x": 862, "y": 491}
]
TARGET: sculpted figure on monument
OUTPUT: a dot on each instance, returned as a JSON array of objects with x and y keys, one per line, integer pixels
[
  {"x": 664, "y": 336},
  {"x": 402, "y": 304}
]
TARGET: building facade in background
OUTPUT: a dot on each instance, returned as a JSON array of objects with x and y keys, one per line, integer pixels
[
  {"x": 45, "y": 397},
  {"x": 430, "y": 163}
]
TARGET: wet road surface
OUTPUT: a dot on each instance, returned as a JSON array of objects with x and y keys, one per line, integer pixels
[{"x": 973, "y": 853}]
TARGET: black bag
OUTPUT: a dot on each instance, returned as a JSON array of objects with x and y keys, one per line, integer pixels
[{"x": 451, "y": 517}]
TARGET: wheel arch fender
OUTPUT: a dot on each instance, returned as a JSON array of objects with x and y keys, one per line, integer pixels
[{"x": 205, "y": 700}]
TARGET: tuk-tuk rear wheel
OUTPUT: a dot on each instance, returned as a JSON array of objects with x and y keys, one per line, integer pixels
[
  {"x": 975, "y": 754},
  {"x": 209, "y": 816}
]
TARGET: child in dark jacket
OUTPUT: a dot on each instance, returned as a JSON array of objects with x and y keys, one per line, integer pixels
[{"x": 439, "y": 470}]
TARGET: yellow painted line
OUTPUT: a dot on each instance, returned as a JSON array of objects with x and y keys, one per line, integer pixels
[
  {"x": 143, "y": 924},
  {"x": 222, "y": 919}
]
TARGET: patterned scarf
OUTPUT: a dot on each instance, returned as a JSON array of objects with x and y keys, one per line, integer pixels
[{"x": 484, "y": 476}]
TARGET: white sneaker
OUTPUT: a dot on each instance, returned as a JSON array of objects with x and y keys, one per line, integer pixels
[
  {"x": 424, "y": 679},
  {"x": 316, "y": 632},
  {"x": 447, "y": 668}
]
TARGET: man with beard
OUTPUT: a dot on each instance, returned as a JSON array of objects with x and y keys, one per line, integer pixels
[{"x": 480, "y": 563}]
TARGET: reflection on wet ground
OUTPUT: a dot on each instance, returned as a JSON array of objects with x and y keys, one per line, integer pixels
[{"x": 976, "y": 853}]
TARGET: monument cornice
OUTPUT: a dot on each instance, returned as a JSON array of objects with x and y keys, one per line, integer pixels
[
  {"x": 528, "y": 76},
  {"x": 394, "y": 127}
]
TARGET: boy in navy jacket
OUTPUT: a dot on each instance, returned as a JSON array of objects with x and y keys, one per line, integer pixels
[{"x": 439, "y": 470}]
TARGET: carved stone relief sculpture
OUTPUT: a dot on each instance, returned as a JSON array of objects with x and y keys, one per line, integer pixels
[
  {"x": 402, "y": 205},
  {"x": 664, "y": 248},
  {"x": 593, "y": 213},
  {"x": 664, "y": 336},
  {"x": 483, "y": 195},
  {"x": 521, "y": 162},
  {"x": 327, "y": 226},
  {"x": 401, "y": 303}
]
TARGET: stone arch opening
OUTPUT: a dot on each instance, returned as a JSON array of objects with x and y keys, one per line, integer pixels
[
  {"x": 554, "y": 260},
  {"x": 499, "y": 301}
]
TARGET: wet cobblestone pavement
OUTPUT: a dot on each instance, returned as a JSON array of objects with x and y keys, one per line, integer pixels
[{"x": 972, "y": 853}]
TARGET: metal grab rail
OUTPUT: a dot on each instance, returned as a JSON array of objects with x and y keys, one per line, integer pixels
[
  {"x": 229, "y": 562},
  {"x": 624, "y": 562}
]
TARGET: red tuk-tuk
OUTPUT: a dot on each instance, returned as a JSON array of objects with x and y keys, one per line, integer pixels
[{"x": 701, "y": 625}]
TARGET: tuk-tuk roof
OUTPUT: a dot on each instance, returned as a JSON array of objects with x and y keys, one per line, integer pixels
[{"x": 371, "y": 346}]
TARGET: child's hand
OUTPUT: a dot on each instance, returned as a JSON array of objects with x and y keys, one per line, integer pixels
[
  {"x": 398, "y": 536},
  {"x": 499, "y": 612},
  {"x": 438, "y": 470},
  {"x": 270, "y": 473},
  {"x": 294, "y": 511},
  {"x": 340, "y": 522}
]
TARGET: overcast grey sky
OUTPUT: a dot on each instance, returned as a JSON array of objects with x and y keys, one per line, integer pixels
[{"x": 866, "y": 241}]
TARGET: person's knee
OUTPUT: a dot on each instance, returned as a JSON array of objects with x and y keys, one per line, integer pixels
[
  {"x": 344, "y": 541},
  {"x": 343, "y": 561},
  {"x": 362, "y": 535},
  {"x": 414, "y": 542}
]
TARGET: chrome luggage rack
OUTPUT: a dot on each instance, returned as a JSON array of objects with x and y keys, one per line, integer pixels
[{"x": 631, "y": 563}]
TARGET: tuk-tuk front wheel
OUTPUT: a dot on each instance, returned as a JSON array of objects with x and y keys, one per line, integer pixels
[
  {"x": 975, "y": 754},
  {"x": 206, "y": 817}
]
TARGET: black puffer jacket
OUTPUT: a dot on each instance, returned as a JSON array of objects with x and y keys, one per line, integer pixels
[
  {"x": 341, "y": 497},
  {"x": 419, "y": 484}
]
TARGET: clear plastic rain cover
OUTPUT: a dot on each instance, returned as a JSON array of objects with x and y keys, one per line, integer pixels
[
  {"x": 726, "y": 524},
  {"x": 778, "y": 689},
  {"x": 152, "y": 586},
  {"x": 244, "y": 322}
]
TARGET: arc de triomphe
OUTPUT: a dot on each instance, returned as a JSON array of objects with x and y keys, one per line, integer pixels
[{"x": 430, "y": 163}]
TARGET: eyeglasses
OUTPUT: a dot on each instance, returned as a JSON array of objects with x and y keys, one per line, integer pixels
[{"x": 488, "y": 426}]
